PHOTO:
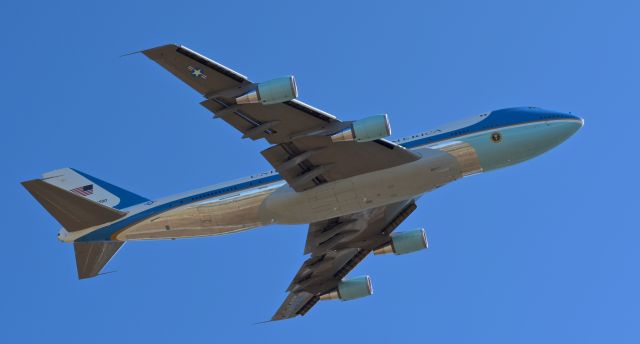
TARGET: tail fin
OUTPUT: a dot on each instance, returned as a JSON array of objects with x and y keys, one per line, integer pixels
[
  {"x": 92, "y": 188},
  {"x": 73, "y": 211},
  {"x": 79, "y": 201}
]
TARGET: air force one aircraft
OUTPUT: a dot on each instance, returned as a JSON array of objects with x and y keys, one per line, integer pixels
[{"x": 352, "y": 187}]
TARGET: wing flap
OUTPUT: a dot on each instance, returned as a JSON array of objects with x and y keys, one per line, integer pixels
[
  {"x": 291, "y": 120},
  {"x": 294, "y": 304}
]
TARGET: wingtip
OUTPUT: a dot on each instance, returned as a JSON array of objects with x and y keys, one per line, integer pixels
[
  {"x": 264, "y": 322},
  {"x": 144, "y": 51},
  {"x": 84, "y": 277},
  {"x": 132, "y": 53}
]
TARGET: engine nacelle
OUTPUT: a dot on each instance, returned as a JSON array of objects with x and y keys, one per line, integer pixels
[
  {"x": 405, "y": 242},
  {"x": 273, "y": 91},
  {"x": 353, "y": 288},
  {"x": 366, "y": 129}
]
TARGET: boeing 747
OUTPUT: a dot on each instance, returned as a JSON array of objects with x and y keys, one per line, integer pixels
[{"x": 346, "y": 181}]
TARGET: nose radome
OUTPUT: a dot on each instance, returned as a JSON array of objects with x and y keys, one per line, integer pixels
[
  {"x": 565, "y": 129},
  {"x": 579, "y": 120}
]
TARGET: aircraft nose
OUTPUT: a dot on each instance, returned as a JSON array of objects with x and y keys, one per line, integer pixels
[
  {"x": 564, "y": 128},
  {"x": 579, "y": 120},
  {"x": 576, "y": 123}
]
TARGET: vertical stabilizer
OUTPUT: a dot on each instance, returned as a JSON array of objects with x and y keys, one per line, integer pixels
[{"x": 92, "y": 188}]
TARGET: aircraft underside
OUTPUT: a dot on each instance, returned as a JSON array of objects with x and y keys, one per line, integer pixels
[
  {"x": 278, "y": 203},
  {"x": 346, "y": 181}
]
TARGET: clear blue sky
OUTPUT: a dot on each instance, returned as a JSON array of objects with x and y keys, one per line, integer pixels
[{"x": 543, "y": 252}]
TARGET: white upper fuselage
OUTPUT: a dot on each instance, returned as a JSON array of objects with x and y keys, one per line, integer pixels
[{"x": 481, "y": 143}]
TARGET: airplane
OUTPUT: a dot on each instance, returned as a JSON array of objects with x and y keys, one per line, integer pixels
[{"x": 351, "y": 185}]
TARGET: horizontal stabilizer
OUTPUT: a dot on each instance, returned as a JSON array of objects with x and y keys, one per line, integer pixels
[
  {"x": 72, "y": 211},
  {"x": 91, "y": 257}
]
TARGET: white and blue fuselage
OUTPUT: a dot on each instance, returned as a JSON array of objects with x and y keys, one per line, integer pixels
[{"x": 481, "y": 143}]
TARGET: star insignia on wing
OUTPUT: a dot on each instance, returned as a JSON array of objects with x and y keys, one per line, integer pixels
[{"x": 197, "y": 72}]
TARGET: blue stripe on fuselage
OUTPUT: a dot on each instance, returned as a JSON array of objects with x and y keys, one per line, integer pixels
[
  {"x": 496, "y": 119},
  {"x": 106, "y": 233}
]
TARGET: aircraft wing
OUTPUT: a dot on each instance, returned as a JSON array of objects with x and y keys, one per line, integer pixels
[
  {"x": 301, "y": 150},
  {"x": 337, "y": 245}
]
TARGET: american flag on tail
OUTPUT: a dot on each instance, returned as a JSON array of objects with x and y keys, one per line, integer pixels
[{"x": 83, "y": 190}]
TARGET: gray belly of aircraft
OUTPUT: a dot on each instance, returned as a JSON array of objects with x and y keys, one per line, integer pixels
[
  {"x": 279, "y": 203},
  {"x": 435, "y": 168},
  {"x": 228, "y": 214}
]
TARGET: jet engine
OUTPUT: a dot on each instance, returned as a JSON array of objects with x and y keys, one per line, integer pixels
[
  {"x": 273, "y": 91},
  {"x": 366, "y": 129},
  {"x": 405, "y": 242},
  {"x": 350, "y": 289}
]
